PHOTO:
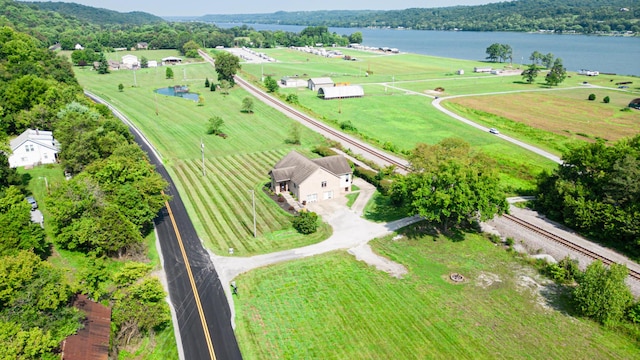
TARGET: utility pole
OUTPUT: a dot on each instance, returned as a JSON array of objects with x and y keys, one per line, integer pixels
[
  {"x": 204, "y": 173},
  {"x": 135, "y": 82},
  {"x": 184, "y": 73},
  {"x": 253, "y": 200}
]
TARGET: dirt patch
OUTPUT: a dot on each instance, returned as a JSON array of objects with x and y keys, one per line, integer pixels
[
  {"x": 366, "y": 254},
  {"x": 485, "y": 280}
]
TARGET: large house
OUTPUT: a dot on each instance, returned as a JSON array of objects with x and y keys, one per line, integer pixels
[
  {"x": 33, "y": 147},
  {"x": 311, "y": 180}
]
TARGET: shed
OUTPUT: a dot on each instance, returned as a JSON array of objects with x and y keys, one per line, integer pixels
[
  {"x": 293, "y": 82},
  {"x": 635, "y": 104},
  {"x": 316, "y": 83},
  {"x": 92, "y": 341},
  {"x": 171, "y": 60},
  {"x": 341, "y": 92},
  {"x": 482, "y": 69},
  {"x": 142, "y": 45}
]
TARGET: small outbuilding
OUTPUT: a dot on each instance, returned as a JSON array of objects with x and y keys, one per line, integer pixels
[
  {"x": 142, "y": 46},
  {"x": 316, "y": 83},
  {"x": 482, "y": 69},
  {"x": 288, "y": 81},
  {"x": 340, "y": 92},
  {"x": 33, "y": 147},
  {"x": 171, "y": 60},
  {"x": 92, "y": 341},
  {"x": 635, "y": 104},
  {"x": 130, "y": 61}
]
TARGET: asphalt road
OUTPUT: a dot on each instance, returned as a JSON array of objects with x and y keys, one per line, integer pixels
[{"x": 195, "y": 290}]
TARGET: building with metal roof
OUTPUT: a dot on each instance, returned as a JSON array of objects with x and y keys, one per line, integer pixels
[{"x": 341, "y": 92}]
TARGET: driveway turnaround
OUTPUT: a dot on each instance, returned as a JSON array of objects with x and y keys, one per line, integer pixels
[{"x": 350, "y": 231}]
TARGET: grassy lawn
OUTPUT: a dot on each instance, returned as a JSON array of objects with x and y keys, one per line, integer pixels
[
  {"x": 334, "y": 307},
  {"x": 219, "y": 204}
]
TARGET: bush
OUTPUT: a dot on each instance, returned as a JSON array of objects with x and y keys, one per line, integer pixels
[
  {"x": 292, "y": 99},
  {"x": 347, "y": 126},
  {"x": 592, "y": 97},
  {"x": 306, "y": 222},
  {"x": 324, "y": 151},
  {"x": 606, "y": 100}
]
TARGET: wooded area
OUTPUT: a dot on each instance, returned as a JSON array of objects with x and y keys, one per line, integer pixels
[{"x": 563, "y": 16}]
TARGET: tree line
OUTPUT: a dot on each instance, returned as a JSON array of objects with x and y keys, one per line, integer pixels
[
  {"x": 51, "y": 28},
  {"x": 101, "y": 214},
  {"x": 561, "y": 16}
]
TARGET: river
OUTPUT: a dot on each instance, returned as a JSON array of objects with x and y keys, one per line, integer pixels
[{"x": 607, "y": 54}]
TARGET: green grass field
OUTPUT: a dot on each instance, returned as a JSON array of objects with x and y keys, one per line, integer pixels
[
  {"x": 220, "y": 203},
  {"x": 334, "y": 307}
]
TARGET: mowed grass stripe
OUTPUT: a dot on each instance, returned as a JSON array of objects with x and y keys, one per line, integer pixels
[
  {"x": 206, "y": 207},
  {"x": 220, "y": 196},
  {"x": 264, "y": 215}
]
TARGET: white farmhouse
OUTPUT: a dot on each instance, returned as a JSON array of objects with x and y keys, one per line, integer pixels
[
  {"x": 33, "y": 147},
  {"x": 130, "y": 61}
]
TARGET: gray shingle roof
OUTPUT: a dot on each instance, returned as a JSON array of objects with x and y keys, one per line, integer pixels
[
  {"x": 40, "y": 137},
  {"x": 296, "y": 167},
  {"x": 335, "y": 164}
]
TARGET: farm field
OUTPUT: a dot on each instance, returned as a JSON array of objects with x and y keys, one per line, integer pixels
[
  {"x": 391, "y": 113},
  {"x": 405, "y": 120},
  {"x": 220, "y": 203},
  {"x": 334, "y": 307},
  {"x": 566, "y": 116}
]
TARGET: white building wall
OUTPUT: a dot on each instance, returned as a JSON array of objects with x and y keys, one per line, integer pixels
[
  {"x": 317, "y": 184},
  {"x": 31, "y": 154}
]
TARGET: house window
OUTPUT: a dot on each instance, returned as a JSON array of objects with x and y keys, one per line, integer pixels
[
  {"x": 26, "y": 148},
  {"x": 324, "y": 184}
]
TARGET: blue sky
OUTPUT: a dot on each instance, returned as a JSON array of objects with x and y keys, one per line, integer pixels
[{"x": 200, "y": 7}]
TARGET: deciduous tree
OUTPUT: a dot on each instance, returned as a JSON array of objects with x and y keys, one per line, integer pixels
[
  {"x": 530, "y": 73},
  {"x": 227, "y": 65},
  {"x": 557, "y": 74},
  {"x": 449, "y": 184},
  {"x": 271, "y": 84},
  {"x": 247, "y": 105},
  {"x": 602, "y": 293}
]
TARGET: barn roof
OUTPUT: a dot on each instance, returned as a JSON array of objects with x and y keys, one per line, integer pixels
[
  {"x": 338, "y": 92},
  {"x": 92, "y": 341},
  {"x": 321, "y": 80}
]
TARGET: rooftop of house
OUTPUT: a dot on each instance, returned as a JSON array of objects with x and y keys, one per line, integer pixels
[{"x": 296, "y": 167}]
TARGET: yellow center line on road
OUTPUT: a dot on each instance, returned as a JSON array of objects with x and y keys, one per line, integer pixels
[{"x": 205, "y": 328}]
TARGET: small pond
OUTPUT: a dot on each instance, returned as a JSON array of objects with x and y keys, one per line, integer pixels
[{"x": 178, "y": 91}]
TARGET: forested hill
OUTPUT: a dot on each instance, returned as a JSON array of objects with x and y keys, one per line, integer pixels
[
  {"x": 98, "y": 16},
  {"x": 579, "y": 16}
]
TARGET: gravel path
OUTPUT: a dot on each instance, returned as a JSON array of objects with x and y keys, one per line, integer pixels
[{"x": 535, "y": 244}]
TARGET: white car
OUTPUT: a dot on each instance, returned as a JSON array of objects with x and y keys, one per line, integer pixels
[{"x": 494, "y": 131}]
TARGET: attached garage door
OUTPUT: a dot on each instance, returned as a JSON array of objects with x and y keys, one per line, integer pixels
[
  {"x": 327, "y": 195},
  {"x": 312, "y": 198}
]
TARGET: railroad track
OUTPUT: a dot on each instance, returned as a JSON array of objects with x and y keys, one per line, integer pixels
[
  {"x": 571, "y": 245},
  {"x": 317, "y": 124}
]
